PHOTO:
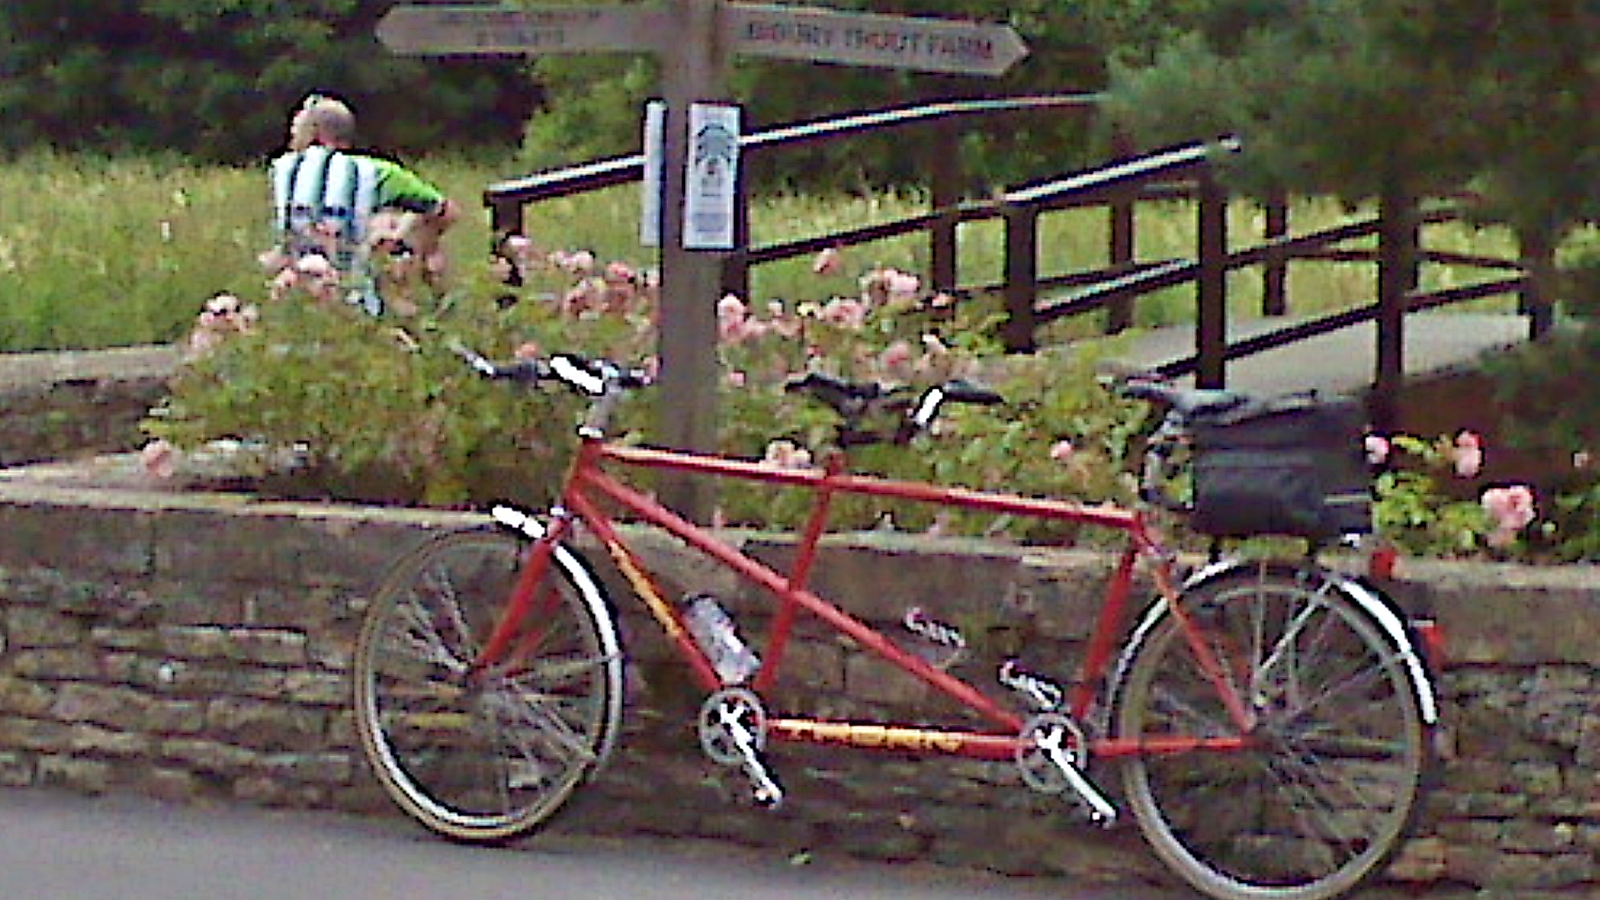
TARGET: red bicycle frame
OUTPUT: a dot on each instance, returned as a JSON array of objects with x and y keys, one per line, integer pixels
[{"x": 590, "y": 486}]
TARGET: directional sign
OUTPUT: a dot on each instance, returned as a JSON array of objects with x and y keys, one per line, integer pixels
[
  {"x": 868, "y": 39},
  {"x": 438, "y": 30}
]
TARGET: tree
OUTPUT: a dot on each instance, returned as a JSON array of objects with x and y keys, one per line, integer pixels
[
  {"x": 1351, "y": 97},
  {"x": 216, "y": 79}
]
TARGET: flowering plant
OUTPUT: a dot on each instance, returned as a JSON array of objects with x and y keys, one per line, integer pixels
[
  {"x": 313, "y": 372},
  {"x": 1421, "y": 506}
]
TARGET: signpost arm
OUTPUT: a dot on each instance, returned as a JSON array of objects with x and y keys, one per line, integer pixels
[{"x": 690, "y": 280}]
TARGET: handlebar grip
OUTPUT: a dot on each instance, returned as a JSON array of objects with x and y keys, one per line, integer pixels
[{"x": 966, "y": 392}]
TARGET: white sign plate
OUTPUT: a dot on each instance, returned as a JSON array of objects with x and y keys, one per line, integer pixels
[
  {"x": 442, "y": 29},
  {"x": 869, "y": 39},
  {"x": 711, "y": 177}
]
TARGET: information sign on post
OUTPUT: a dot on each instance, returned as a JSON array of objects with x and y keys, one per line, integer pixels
[
  {"x": 449, "y": 29},
  {"x": 695, "y": 207},
  {"x": 711, "y": 177},
  {"x": 651, "y": 185},
  {"x": 867, "y": 39}
]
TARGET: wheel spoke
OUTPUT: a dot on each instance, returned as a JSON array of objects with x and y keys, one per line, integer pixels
[
  {"x": 483, "y": 752},
  {"x": 1324, "y": 791}
]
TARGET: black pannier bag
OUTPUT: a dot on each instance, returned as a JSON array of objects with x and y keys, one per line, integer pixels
[{"x": 1291, "y": 466}]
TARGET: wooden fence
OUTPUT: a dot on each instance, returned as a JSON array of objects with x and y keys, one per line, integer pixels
[{"x": 1184, "y": 172}]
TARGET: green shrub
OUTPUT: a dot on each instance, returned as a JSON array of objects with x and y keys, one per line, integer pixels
[{"x": 382, "y": 410}]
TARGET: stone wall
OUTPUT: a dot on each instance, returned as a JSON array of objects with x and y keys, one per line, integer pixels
[
  {"x": 68, "y": 404},
  {"x": 196, "y": 647}
]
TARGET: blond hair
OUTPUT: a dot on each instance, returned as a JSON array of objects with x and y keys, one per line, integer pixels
[{"x": 321, "y": 119}]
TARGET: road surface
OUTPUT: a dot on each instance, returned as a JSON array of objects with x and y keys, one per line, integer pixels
[{"x": 59, "y": 846}]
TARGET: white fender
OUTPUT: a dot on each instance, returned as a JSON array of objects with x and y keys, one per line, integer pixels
[
  {"x": 1378, "y": 607},
  {"x": 528, "y": 525}
]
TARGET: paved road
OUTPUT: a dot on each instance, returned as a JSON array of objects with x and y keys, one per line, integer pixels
[{"x": 56, "y": 846}]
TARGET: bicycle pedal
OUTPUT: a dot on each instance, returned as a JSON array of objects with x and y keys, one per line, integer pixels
[
  {"x": 1045, "y": 695},
  {"x": 944, "y": 643}
]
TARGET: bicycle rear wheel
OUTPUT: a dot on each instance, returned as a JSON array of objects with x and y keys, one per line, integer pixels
[
  {"x": 1328, "y": 784},
  {"x": 488, "y": 755}
]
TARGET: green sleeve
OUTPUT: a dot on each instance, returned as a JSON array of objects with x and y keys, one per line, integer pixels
[{"x": 400, "y": 188}]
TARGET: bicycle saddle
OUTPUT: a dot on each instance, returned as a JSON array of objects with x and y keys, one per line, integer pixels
[{"x": 1187, "y": 402}]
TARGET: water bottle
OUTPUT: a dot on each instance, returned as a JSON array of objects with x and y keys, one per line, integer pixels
[{"x": 714, "y": 632}]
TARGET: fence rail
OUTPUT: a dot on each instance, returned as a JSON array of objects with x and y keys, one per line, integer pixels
[{"x": 1033, "y": 300}]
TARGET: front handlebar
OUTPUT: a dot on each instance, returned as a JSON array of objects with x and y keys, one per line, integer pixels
[
  {"x": 591, "y": 377},
  {"x": 858, "y": 402}
]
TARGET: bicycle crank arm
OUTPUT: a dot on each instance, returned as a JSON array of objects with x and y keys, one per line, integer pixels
[
  {"x": 765, "y": 788},
  {"x": 1101, "y": 812}
]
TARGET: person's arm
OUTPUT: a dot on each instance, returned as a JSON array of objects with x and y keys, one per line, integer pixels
[{"x": 400, "y": 188}]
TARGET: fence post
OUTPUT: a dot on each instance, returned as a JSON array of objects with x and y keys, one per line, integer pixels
[
  {"x": 945, "y": 172},
  {"x": 1538, "y": 260},
  {"x": 1397, "y": 276},
  {"x": 1022, "y": 279},
  {"x": 735, "y": 277},
  {"x": 1120, "y": 212},
  {"x": 1119, "y": 315},
  {"x": 1275, "y": 269},
  {"x": 1211, "y": 289}
]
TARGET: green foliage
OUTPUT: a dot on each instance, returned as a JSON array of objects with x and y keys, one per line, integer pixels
[
  {"x": 1345, "y": 97},
  {"x": 383, "y": 412},
  {"x": 1416, "y": 513},
  {"x": 377, "y": 411},
  {"x": 216, "y": 80}
]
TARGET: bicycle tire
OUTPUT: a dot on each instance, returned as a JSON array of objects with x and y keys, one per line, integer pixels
[
  {"x": 490, "y": 757},
  {"x": 1331, "y": 783}
]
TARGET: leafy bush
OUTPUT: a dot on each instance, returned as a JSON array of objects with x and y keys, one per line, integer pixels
[
  {"x": 1422, "y": 514},
  {"x": 383, "y": 410}
]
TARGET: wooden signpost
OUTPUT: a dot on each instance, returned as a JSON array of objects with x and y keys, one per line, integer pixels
[{"x": 694, "y": 40}]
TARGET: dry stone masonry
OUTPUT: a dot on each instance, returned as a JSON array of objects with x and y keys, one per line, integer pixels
[{"x": 196, "y": 647}]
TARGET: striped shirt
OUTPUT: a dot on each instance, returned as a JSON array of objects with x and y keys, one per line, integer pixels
[
  {"x": 323, "y": 200},
  {"x": 321, "y": 194}
]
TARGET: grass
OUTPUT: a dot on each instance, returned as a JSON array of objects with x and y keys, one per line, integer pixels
[{"x": 98, "y": 252}]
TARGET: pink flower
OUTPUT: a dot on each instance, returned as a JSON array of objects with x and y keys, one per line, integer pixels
[
  {"x": 896, "y": 357},
  {"x": 159, "y": 459},
  {"x": 889, "y": 286},
  {"x": 902, "y": 285},
  {"x": 314, "y": 265},
  {"x": 1467, "y": 454},
  {"x": 736, "y": 379},
  {"x": 518, "y": 247},
  {"x": 828, "y": 262},
  {"x": 734, "y": 325},
  {"x": 844, "y": 313},
  {"x": 577, "y": 262},
  {"x": 1062, "y": 451},
  {"x": 1377, "y": 449},
  {"x": 786, "y": 455},
  {"x": 731, "y": 307},
  {"x": 1510, "y": 507}
]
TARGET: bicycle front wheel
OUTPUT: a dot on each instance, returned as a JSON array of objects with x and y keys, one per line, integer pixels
[
  {"x": 1333, "y": 763},
  {"x": 485, "y": 753}
]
